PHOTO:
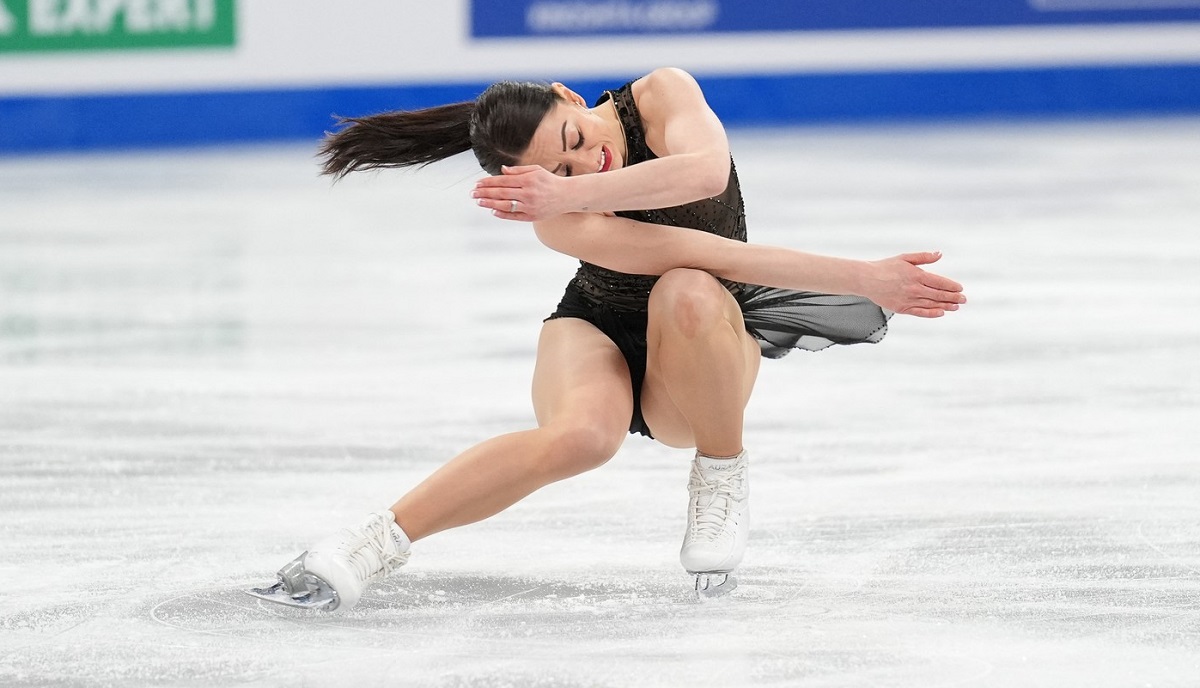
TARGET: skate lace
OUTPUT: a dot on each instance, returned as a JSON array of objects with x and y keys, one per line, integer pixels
[
  {"x": 374, "y": 538},
  {"x": 713, "y": 497}
]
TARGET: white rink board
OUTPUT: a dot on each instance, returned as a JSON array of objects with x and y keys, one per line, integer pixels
[
  {"x": 306, "y": 43},
  {"x": 209, "y": 360}
]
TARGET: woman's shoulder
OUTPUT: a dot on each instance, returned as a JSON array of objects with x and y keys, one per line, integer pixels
[
  {"x": 664, "y": 90},
  {"x": 665, "y": 81}
]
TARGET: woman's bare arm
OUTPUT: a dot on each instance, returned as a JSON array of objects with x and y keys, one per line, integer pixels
[
  {"x": 635, "y": 247},
  {"x": 693, "y": 164}
]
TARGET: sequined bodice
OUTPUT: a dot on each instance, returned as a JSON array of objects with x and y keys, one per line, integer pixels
[{"x": 723, "y": 215}]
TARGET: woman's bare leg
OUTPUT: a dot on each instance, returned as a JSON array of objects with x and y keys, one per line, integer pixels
[
  {"x": 700, "y": 369},
  {"x": 582, "y": 398},
  {"x": 701, "y": 364}
]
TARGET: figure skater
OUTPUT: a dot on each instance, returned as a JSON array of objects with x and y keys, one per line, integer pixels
[{"x": 660, "y": 332}]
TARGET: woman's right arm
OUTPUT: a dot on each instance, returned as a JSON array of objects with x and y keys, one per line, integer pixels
[
  {"x": 691, "y": 162},
  {"x": 642, "y": 248}
]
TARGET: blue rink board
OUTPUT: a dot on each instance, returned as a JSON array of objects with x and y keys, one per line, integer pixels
[
  {"x": 524, "y": 18},
  {"x": 97, "y": 122}
]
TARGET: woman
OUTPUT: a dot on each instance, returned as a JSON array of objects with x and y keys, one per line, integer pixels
[{"x": 660, "y": 332}]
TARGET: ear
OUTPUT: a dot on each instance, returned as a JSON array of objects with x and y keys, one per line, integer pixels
[{"x": 567, "y": 94}]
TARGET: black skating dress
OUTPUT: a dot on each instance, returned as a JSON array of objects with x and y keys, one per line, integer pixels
[{"x": 780, "y": 319}]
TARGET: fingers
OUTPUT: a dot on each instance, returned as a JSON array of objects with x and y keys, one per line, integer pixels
[
  {"x": 930, "y": 279},
  {"x": 927, "y": 304},
  {"x": 497, "y": 205},
  {"x": 922, "y": 258},
  {"x": 497, "y": 193},
  {"x": 933, "y": 307},
  {"x": 943, "y": 292},
  {"x": 499, "y": 198},
  {"x": 508, "y": 177},
  {"x": 530, "y": 187},
  {"x": 935, "y": 281},
  {"x": 939, "y": 295},
  {"x": 931, "y": 300},
  {"x": 937, "y": 306},
  {"x": 924, "y": 312},
  {"x": 501, "y": 181},
  {"x": 519, "y": 169},
  {"x": 505, "y": 215},
  {"x": 506, "y": 209}
]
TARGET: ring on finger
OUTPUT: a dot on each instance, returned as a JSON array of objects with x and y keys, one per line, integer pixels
[{"x": 512, "y": 207}]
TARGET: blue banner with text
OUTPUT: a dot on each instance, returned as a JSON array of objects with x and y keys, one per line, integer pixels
[{"x": 514, "y": 18}]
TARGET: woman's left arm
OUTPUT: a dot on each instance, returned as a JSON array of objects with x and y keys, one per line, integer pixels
[
  {"x": 629, "y": 246},
  {"x": 694, "y": 164}
]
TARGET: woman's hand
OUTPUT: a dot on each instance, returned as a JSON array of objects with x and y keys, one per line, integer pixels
[
  {"x": 538, "y": 194},
  {"x": 897, "y": 284}
]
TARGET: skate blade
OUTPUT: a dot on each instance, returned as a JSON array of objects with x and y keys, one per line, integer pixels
[
  {"x": 318, "y": 597},
  {"x": 296, "y": 587},
  {"x": 712, "y": 585}
]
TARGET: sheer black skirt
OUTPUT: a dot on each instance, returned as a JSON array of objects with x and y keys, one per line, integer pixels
[
  {"x": 779, "y": 319},
  {"x": 782, "y": 320}
]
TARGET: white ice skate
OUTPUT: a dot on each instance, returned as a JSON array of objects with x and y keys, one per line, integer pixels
[
  {"x": 718, "y": 523},
  {"x": 334, "y": 573}
]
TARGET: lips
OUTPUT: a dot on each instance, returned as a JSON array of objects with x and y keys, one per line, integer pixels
[{"x": 605, "y": 159}]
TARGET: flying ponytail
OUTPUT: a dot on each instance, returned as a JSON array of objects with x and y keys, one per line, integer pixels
[
  {"x": 397, "y": 139},
  {"x": 498, "y": 126}
]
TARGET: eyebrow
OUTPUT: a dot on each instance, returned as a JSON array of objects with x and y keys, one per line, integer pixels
[{"x": 563, "y": 134}]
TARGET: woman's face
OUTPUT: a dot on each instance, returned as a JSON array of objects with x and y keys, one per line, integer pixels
[{"x": 573, "y": 140}]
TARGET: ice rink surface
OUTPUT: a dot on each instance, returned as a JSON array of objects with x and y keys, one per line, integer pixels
[{"x": 210, "y": 359}]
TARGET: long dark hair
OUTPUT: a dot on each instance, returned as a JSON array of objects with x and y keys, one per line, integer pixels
[{"x": 497, "y": 126}]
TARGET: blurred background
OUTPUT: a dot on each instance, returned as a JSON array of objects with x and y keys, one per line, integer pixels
[{"x": 83, "y": 74}]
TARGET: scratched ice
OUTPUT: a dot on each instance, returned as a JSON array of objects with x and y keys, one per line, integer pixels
[{"x": 208, "y": 359}]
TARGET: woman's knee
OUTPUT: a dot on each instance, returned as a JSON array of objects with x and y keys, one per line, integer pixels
[
  {"x": 578, "y": 447},
  {"x": 690, "y": 301}
]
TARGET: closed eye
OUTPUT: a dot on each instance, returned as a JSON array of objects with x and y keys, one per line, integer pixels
[{"x": 577, "y": 146}]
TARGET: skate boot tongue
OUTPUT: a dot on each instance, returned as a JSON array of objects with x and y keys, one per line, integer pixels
[
  {"x": 376, "y": 549},
  {"x": 717, "y": 492}
]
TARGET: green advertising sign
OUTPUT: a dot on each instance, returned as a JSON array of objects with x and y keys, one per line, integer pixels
[{"x": 73, "y": 25}]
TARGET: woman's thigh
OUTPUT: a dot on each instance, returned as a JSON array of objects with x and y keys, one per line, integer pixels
[{"x": 581, "y": 378}]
